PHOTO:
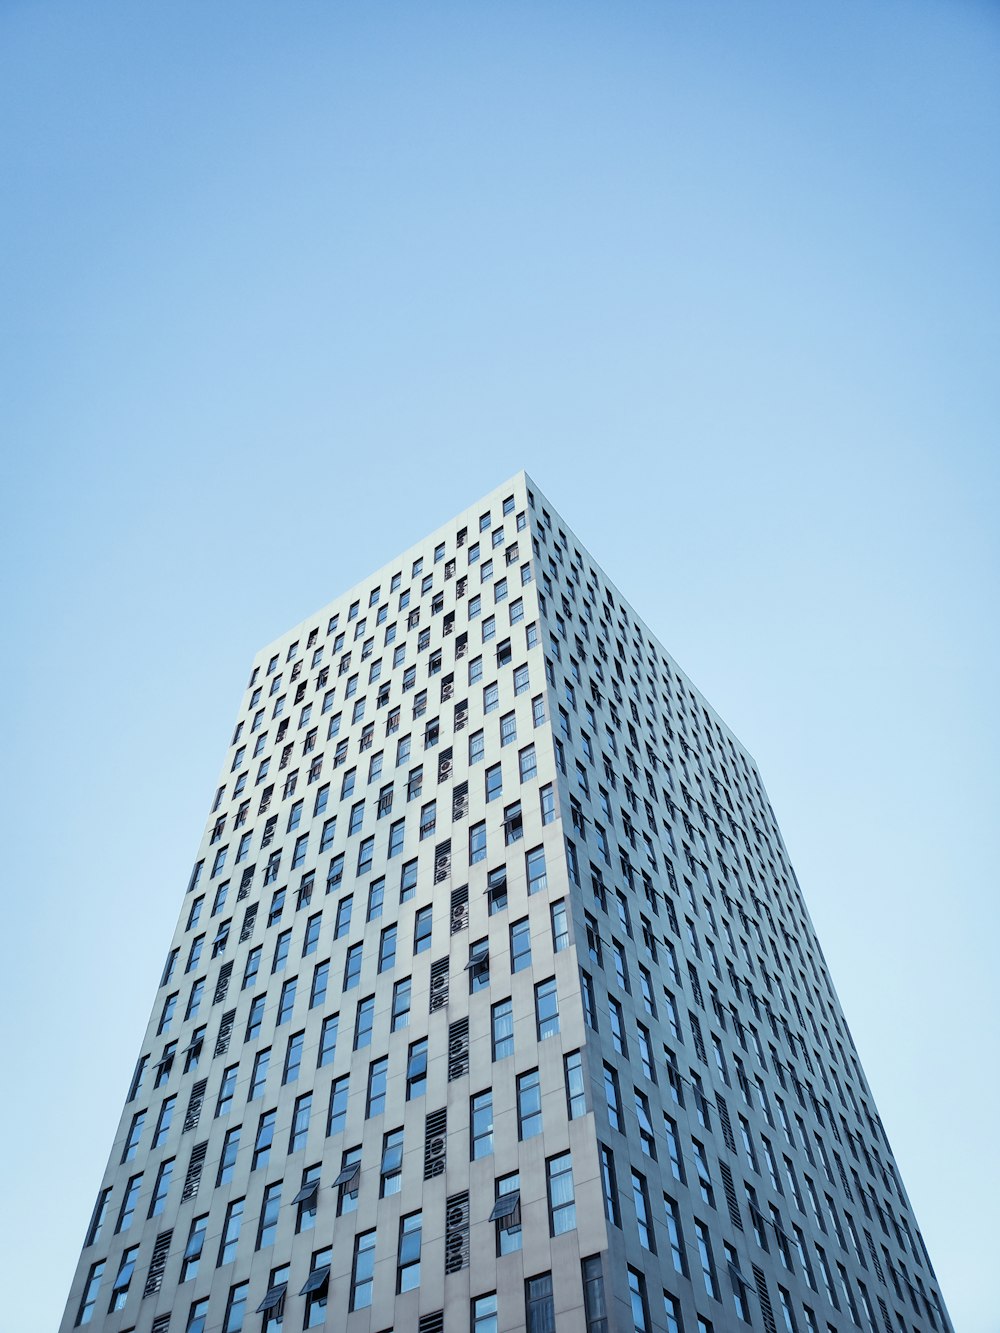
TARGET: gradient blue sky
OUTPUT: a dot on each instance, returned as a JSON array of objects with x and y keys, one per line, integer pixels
[{"x": 285, "y": 286}]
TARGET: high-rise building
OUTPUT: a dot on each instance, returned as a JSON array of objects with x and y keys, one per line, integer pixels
[{"x": 493, "y": 1002}]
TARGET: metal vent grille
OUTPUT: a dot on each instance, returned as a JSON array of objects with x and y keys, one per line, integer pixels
[
  {"x": 158, "y": 1262},
  {"x": 442, "y": 861},
  {"x": 458, "y": 1049},
  {"x": 767, "y": 1313},
  {"x": 460, "y": 801},
  {"x": 225, "y": 1032},
  {"x": 727, "y": 1128},
  {"x": 439, "y": 984},
  {"x": 731, "y": 1203},
  {"x": 193, "y": 1178},
  {"x": 459, "y": 909},
  {"x": 194, "y": 1105},
  {"x": 435, "y": 1143},
  {"x": 456, "y": 1243},
  {"x": 249, "y": 920},
  {"x": 222, "y": 985}
]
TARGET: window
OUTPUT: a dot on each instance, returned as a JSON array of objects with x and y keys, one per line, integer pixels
[
  {"x": 507, "y": 1213},
  {"x": 264, "y": 1140},
  {"x": 529, "y": 1105},
  {"x": 613, "y": 1098},
  {"x": 163, "y": 1178},
  {"x": 352, "y": 966},
  {"x": 363, "y": 1269},
  {"x": 408, "y": 1260},
  {"x": 560, "y": 926},
  {"x": 416, "y": 1070},
  {"x": 484, "y": 1313},
  {"x": 478, "y": 966},
  {"x": 673, "y": 1220},
  {"x": 328, "y": 1040},
  {"x": 508, "y": 729},
  {"x": 617, "y": 1022},
  {"x": 513, "y": 824},
  {"x": 520, "y": 945},
  {"x": 589, "y": 1000},
  {"x": 89, "y": 1298},
  {"x": 231, "y": 1232},
  {"x": 546, "y": 1008},
  {"x": 502, "y": 1029},
  {"x": 119, "y": 1291},
  {"x": 477, "y": 747},
  {"x": 477, "y": 843},
  {"x": 494, "y": 783},
  {"x": 127, "y": 1210},
  {"x": 422, "y": 925},
  {"x": 538, "y": 1306},
  {"x": 224, "y": 1103},
  {"x": 270, "y": 1207},
  {"x": 707, "y": 1263},
  {"x": 481, "y": 1119},
  {"x": 287, "y": 1002},
  {"x": 643, "y": 1221},
  {"x": 134, "y": 1135},
  {"x": 280, "y": 951},
  {"x": 562, "y": 1200},
  {"x": 230, "y": 1148},
  {"x": 400, "y": 1005},
  {"x": 387, "y": 949},
  {"x": 258, "y": 1078},
  {"x": 363, "y": 1022},
  {"x": 637, "y": 1298},
  {"x": 336, "y": 1115},
  {"x": 535, "y": 866},
  {"x": 594, "y": 1305},
  {"x": 547, "y": 803},
  {"x": 527, "y": 763},
  {"x": 391, "y": 1169},
  {"x": 377, "y": 1077},
  {"x": 317, "y": 1288},
  {"x": 576, "y": 1098}
]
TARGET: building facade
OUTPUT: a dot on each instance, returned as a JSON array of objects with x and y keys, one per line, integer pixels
[{"x": 493, "y": 1002}]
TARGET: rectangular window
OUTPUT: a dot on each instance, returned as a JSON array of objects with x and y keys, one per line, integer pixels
[
  {"x": 363, "y": 1271},
  {"x": 352, "y": 966},
  {"x": 477, "y": 843},
  {"x": 576, "y": 1097},
  {"x": 422, "y": 926},
  {"x": 643, "y": 1221},
  {"x": 387, "y": 949},
  {"x": 481, "y": 1121},
  {"x": 538, "y": 1305},
  {"x": 416, "y": 1070},
  {"x": 594, "y": 1305},
  {"x": 162, "y": 1188},
  {"x": 529, "y": 1105},
  {"x": 562, "y": 1200},
  {"x": 400, "y": 1004},
  {"x": 231, "y": 1232},
  {"x": 336, "y": 1115},
  {"x": 520, "y": 945},
  {"x": 264, "y": 1140},
  {"x": 546, "y": 1008},
  {"x": 502, "y": 1017},
  {"x": 377, "y": 1078}
]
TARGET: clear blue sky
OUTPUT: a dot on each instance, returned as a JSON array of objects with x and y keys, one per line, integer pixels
[{"x": 285, "y": 286}]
